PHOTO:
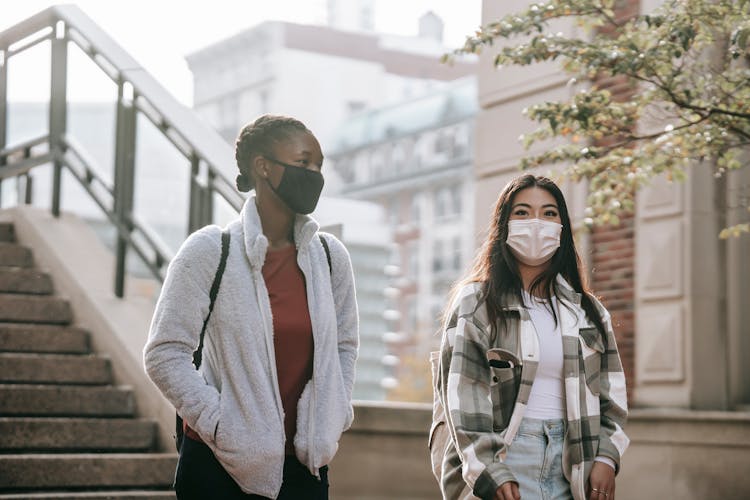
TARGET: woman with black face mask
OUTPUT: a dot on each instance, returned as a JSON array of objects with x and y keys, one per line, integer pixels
[{"x": 275, "y": 299}]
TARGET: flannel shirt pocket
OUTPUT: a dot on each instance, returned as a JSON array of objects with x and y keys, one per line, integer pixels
[
  {"x": 592, "y": 349},
  {"x": 505, "y": 379}
]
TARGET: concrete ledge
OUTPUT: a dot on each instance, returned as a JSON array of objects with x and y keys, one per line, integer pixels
[
  {"x": 673, "y": 454},
  {"x": 688, "y": 427},
  {"x": 384, "y": 455},
  {"x": 380, "y": 417},
  {"x": 686, "y": 454}
]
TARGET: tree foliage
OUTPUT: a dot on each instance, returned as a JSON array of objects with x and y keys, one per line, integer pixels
[{"x": 689, "y": 61}]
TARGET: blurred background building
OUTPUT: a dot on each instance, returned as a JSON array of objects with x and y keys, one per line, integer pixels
[
  {"x": 414, "y": 158},
  {"x": 320, "y": 74}
]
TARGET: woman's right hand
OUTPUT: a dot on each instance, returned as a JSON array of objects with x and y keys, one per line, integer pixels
[{"x": 508, "y": 491}]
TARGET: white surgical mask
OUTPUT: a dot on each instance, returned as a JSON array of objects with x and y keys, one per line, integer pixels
[{"x": 533, "y": 241}]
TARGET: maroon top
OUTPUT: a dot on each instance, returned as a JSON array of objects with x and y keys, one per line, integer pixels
[{"x": 292, "y": 332}]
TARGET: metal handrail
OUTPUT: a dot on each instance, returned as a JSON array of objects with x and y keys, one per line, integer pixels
[{"x": 210, "y": 158}]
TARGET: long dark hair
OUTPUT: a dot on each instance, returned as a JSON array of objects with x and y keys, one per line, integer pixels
[{"x": 496, "y": 268}]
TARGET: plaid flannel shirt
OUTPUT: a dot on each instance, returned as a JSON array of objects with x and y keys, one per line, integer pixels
[{"x": 483, "y": 405}]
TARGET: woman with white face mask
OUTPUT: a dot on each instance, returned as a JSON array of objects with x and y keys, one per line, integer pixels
[{"x": 530, "y": 397}]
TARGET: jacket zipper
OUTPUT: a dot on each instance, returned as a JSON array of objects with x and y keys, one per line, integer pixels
[{"x": 268, "y": 334}]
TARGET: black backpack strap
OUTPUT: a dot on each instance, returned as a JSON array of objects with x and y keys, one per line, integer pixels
[
  {"x": 198, "y": 354},
  {"x": 328, "y": 252}
]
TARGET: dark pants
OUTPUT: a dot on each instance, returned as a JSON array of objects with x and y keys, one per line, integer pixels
[{"x": 201, "y": 477}]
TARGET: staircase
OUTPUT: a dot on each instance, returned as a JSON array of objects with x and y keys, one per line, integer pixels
[{"x": 65, "y": 430}]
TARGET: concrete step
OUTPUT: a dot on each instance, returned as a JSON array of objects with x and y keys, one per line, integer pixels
[
  {"x": 89, "y": 470},
  {"x": 33, "y": 368},
  {"x": 28, "y": 337},
  {"x": 15, "y": 255},
  {"x": 34, "y": 309},
  {"x": 63, "y": 401},
  {"x": 24, "y": 280},
  {"x": 7, "y": 232},
  {"x": 92, "y": 495},
  {"x": 24, "y": 434}
]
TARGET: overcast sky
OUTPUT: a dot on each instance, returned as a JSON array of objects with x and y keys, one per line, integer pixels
[{"x": 159, "y": 33}]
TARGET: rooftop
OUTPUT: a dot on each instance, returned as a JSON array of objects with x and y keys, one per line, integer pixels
[
  {"x": 416, "y": 57},
  {"x": 450, "y": 104}
]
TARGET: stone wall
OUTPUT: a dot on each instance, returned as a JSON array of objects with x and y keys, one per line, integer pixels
[{"x": 681, "y": 454}]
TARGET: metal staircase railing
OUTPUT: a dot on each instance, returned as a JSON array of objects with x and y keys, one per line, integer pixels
[{"x": 208, "y": 156}]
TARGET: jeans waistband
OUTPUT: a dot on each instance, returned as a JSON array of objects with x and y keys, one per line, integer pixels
[{"x": 554, "y": 428}]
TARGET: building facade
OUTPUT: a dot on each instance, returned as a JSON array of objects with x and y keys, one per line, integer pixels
[
  {"x": 318, "y": 74},
  {"x": 675, "y": 290},
  {"x": 415, "y": 159},
  {"x": 361, "y": 226}
]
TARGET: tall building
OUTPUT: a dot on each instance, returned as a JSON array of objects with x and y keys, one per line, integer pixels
[
  {"x": 415, "y": 159},
  {"x": 319, "y": 74},
  {"x": 361, "y": 226}
]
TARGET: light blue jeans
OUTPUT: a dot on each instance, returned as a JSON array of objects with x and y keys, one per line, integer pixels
[{"x": 535, "y": 458}]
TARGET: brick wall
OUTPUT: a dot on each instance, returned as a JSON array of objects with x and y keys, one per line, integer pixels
[
  {"x": 613, "y": 247},
  {"x": 613, "y": 268}
]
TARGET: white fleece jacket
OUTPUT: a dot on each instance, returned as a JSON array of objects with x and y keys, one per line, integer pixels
[{"x": 233, "y": 401}]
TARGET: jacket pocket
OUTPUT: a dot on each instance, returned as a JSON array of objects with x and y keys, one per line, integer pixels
[
  {"x": 592, "y": 350},
  {"x": 218, "y": 440},
  {"x": 505, "y": 379}
]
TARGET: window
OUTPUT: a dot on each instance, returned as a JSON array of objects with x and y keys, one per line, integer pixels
[
  {"x": 456, "y": 201},
  {"x": 411, "y": 315},
  {"x": 456, "y": 253},
  {"x": 448, "y": 202},
  {"x": 444, "y": 142},
  {"x": 376, "y": 165},
  {"x": 345, "y": 167},
  {"x": 437, "y": 256},
  {"x": 398, "y": 157},
  {"x": 394, "y": 212},
  {"x": 415, "y": 209},
  {"x": 413, "y": 250}
]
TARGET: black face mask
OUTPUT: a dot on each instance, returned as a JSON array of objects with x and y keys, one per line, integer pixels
[{"x": 299, "y": 188}]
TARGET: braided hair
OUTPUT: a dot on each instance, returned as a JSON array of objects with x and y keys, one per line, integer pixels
[{"x": 257, "y": 138}]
